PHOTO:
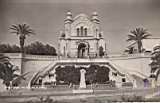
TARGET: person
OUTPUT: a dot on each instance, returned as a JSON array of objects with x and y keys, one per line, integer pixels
[
  {"x": 145, "y": 82},
  {"x": 54, "y": 79},
  {"x": 40, "y": 81}
]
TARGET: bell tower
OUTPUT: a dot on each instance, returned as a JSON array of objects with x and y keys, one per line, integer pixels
[
  {"x": 96, "y": 21},
  {"x": 67, "y": 24}
]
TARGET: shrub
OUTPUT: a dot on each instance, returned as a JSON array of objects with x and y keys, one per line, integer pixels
[
  {"x": 94, "y": 74},
  {"x": 37, "y": 48},
  {"x": 127, "y": 84},
  {"x": 133, "y": 98},
  {"x": 6, "y": 48}
]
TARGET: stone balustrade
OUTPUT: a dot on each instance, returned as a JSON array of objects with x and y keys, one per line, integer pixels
[
  {"x": 47, "y": 57},
  {"x": 129, "y": 56},
  {"x": 28, "y": 56},
  {"x": 40, "y": 57}
]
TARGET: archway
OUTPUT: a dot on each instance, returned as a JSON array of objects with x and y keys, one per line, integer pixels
[{"x": 82, "y": 50}]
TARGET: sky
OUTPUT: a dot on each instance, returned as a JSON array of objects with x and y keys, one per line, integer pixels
[{"x": 46, "y": 17}]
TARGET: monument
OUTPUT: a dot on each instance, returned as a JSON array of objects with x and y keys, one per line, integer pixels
[
  {"x": 82, "y": 79},
  {"x": 82, "y": 85}
]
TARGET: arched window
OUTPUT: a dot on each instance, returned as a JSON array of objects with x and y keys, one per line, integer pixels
[
  {"x": 77, "y": 31},
  {"x": 96, "y": 32},
  {"x": 85, "y": 31},
  {"x": 64, "y": 50},
  {"x": 81, "y": 30}
]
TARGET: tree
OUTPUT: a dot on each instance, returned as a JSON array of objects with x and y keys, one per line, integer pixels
[
  {"x": 6, "y": 48},
  {"x": 102, "y": 75},
  {"x": 129, "y": 50},
  {"x": 8, "y": 72},
  {"x": 4, "y": 61},
  {"x": 37, "y": 48},
  {"x": 138, "y": 35},
  {"x": 22, "y": 30},
  {"x": 91, "y": 74},
  {"x": 68, "y": 74},
  {"x": 155, "y": 64}
]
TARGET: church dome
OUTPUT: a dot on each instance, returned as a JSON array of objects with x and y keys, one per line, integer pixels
[
  {"x": 95, "y": 14},
  {"x": 69, "y": 13},
  {"x": 68, "y": 17},
  {"x": 95, "y": 17}
]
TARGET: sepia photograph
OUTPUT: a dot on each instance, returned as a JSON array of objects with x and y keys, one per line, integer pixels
[{"x": 79, "y": 51}]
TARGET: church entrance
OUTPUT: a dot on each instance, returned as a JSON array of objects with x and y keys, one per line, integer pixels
[{"x": 82, "y": 50}]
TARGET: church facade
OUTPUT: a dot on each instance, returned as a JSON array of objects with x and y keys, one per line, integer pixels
[{"x": 82, "y": 37}]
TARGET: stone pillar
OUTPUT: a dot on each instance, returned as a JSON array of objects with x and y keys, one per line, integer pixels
[
  {"x": 153, "y": 82},
  {"x": 82, "y": 79},
  {"x": 134, "y": 84}
]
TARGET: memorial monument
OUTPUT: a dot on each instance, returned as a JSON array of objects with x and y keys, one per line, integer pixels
[{"x": 82, "y": 78}]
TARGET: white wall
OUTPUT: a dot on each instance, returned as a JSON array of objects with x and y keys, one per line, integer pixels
[
  {"x": 137, "y": 62},
  {"x": 33, "y": 63}
]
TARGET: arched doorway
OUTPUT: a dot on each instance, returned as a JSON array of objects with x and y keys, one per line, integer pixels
[{"x": 82, "y": 50}]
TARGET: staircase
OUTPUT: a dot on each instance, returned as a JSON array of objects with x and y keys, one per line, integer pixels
[
  {"x": 28, "y": 77},
  {"x": 73, "y": 61},
  {"x": 32, "y": 77}
]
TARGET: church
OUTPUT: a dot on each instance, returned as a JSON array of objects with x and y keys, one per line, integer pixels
[
  {"x": 82, "y": 47},
  {"x": 82, "y": 37}
]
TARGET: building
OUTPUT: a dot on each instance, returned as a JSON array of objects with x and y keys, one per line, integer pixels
[
  {"x": 82, "y": 37},
  {"x": 150, "y": 43},
  {"x": 147, "y": 45}
]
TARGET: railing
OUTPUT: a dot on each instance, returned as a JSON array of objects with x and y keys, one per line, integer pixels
[
  {"x": 94, "y": 86},
  {"x": 129, "y": 55},
  {"x": 41, "y": 57},
  {"x": 90, "y": 56},
  {"x": 28, "y": 56}
]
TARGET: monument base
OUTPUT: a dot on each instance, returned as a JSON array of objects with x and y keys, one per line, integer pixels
[{"x": 78, "y": 91}]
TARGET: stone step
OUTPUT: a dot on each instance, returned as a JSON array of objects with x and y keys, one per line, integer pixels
[
  {"x": 24, "y": 83},
  {"x": 78, "y": 91}
]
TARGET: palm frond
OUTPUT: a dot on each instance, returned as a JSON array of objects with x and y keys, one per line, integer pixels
[
  {"x": 14, "y": 32},
  {"x": 14, "y": 26},
  {"x": 25, "y": 26},
  {"x": 131, "y": 38},
  {"x": 20, "y": 28},
  {"x": 4, "y": 59},
  {"x": 134, "y": 32},
  {"x": 15, "y": 75},
  {"x": 20, "y": 77},
  {"x": 15, "y": 29},
  {"x": 15, "y": 68},
  {"x": 30, "y": 32},
  {"x": 146, "y": 36}
]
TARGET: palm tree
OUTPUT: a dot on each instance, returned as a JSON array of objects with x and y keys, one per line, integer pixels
[
  {"x": 155, "y": 64},
  {"x": 138, "y": 35},
  {"x": 22, "y": 30},
  {"x": 7, "y": 72},
  {"x": 3, "y": 59}
]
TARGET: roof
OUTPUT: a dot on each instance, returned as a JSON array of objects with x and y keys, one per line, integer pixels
[
  {"x": 150, "y": 43},
  {"x": 81, "y": 15}
]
